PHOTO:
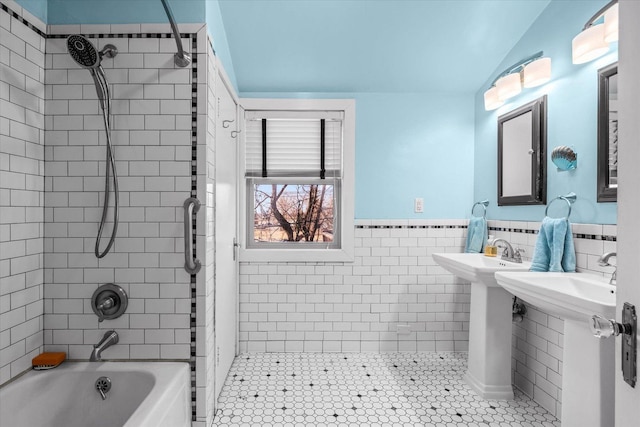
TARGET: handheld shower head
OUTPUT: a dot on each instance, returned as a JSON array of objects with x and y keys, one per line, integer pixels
[
  {"x": 83, "y": 52},
  {"x": 87, "y": 56}
]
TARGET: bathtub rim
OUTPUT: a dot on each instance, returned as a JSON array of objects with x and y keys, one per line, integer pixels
[{"x": 152, "y": 405}]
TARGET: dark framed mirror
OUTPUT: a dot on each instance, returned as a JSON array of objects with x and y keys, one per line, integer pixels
[
  {"x": 522, "y": 160},
  {"x": 608, "y": 133}
]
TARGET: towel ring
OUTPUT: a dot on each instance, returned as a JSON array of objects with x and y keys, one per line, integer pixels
[
  {"x": 569, "y": 198},
  {"x": 484, "y": 205}
]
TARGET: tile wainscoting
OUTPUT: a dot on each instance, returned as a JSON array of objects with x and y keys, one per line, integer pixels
[
  {"x": 357, "y": 307},
  {"x": 319, "y": 306}
]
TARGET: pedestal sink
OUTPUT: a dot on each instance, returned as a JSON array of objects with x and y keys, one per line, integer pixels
[
  {"x": 489, "y": 364},
  {"x": 588, "y": 365}
]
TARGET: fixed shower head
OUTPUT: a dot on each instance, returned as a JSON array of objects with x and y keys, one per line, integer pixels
[{"x": 83, "y": 52}]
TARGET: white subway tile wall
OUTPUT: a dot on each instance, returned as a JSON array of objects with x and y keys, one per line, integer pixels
[
  {"x": 22, "y": 110},
  {"x": 394, "y": 281},
  {"x": 359, "y": 306},
  {"x": 152, "y": 123},
  {"x": 205, "y": 354}
]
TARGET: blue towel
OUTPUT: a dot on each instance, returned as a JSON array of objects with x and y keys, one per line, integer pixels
[
  {"x": 476, "y": 235},
  {"x": 554, "y": 250}
]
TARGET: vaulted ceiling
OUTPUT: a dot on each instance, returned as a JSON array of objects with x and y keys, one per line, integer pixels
[{"x": 372, "y": 45}]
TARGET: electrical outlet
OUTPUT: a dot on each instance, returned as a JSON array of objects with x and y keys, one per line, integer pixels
[
  {"x": 404, "y": 329},
  {"x": 418, "y": 205}
]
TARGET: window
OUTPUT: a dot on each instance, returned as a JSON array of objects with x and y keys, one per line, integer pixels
[
  {"x": 293, "y": 213},
  {"x": 297, "y": 167}
]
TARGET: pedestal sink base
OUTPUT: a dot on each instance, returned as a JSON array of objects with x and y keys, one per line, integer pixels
[
  {"x": 588, "y": 378},
  {"x": 489, "y": 373},
  {"x": 588, "y": 365},
  {"x": 488, "y": 391}
]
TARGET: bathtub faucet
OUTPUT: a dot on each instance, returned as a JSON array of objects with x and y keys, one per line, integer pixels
[{"x": 110, "y": 338}]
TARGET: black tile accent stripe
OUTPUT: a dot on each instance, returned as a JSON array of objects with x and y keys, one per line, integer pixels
[
  {"x": 123, "y": 35},
  {"x": 21, "y": 19},
  {"x": 503, "y": 229},
  {"x": 575, "y": 235},
  {"x": 194, "y": 193}
]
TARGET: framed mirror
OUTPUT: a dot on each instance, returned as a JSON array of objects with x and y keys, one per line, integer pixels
[
  {"x": 522, "y": 144},
  {"x": 608, "y": 133}
]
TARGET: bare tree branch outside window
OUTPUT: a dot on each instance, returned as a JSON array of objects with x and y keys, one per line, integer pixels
[{"x": 293, "y": 213}]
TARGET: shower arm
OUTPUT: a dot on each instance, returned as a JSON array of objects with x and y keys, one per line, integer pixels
[{"x": 181, "y": 58}]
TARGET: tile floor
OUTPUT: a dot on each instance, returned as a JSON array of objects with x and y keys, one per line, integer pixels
[{"x": 364, "y": 389}]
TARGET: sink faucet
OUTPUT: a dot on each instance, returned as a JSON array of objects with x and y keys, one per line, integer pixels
[
  {"x": 603, "y": 261},
  {"x": 508, "y": 254},
  {"x": 110, "y": 338}
]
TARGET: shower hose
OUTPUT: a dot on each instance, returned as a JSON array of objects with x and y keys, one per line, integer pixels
[{"x": 110, "y": 170}]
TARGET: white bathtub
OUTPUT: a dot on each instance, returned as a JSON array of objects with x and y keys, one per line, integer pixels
[{"x": 154, "y": 394}]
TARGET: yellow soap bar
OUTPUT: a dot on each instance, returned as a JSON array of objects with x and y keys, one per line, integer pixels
[{"x": 48, "y": 360}]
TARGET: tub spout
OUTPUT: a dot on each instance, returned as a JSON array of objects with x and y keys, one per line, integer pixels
[{"x": 110, "y": 338}]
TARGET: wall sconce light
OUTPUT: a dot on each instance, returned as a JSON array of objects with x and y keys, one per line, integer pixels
[
  {"x": 594, "y": 39},
  {"x": 529, "y": 72}
]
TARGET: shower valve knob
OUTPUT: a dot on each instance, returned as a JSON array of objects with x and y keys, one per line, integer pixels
[{"x": 109, "y": 302}]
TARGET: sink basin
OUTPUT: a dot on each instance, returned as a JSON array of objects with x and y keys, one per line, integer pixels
[
  {"x": 588, "y": 363},
  {"x": 477, "y": 267},
  {"x": 489, "y": 359},
  {"x": 574, "y": 296}
]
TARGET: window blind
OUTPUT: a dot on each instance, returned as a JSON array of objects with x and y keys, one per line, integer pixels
[{"x": 293, "y": 144}]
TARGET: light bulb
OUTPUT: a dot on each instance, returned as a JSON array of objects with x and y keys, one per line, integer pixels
[
  {"x": 537, "y": 72},
  {"x": 509, "y": 86},
  {"x": 491, "y": 100},
  {"x": 589, "y": 44}
]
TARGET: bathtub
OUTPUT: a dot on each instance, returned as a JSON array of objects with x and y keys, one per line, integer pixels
[{"x": 154, "y": 394}]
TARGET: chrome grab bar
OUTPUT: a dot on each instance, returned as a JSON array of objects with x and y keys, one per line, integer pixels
[
  {"x": 191, "y": 206},
  {"x": 182, "y": 59}
]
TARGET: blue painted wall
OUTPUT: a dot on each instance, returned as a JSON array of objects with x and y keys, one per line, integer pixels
[
  {"x": 408, "y": 146},
  {"x": 572, "y": 117},
  {"x": 122, "y": 11},
  {"x": 427, "y": 144}
]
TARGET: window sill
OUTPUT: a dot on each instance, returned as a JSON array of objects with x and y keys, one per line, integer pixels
[{"x": 296, "y": 255}]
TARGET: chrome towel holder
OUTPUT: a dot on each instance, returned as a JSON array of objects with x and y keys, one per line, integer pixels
[
  {"x": 569, "y": 198},
  {"x": 484, "y": 205}
]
